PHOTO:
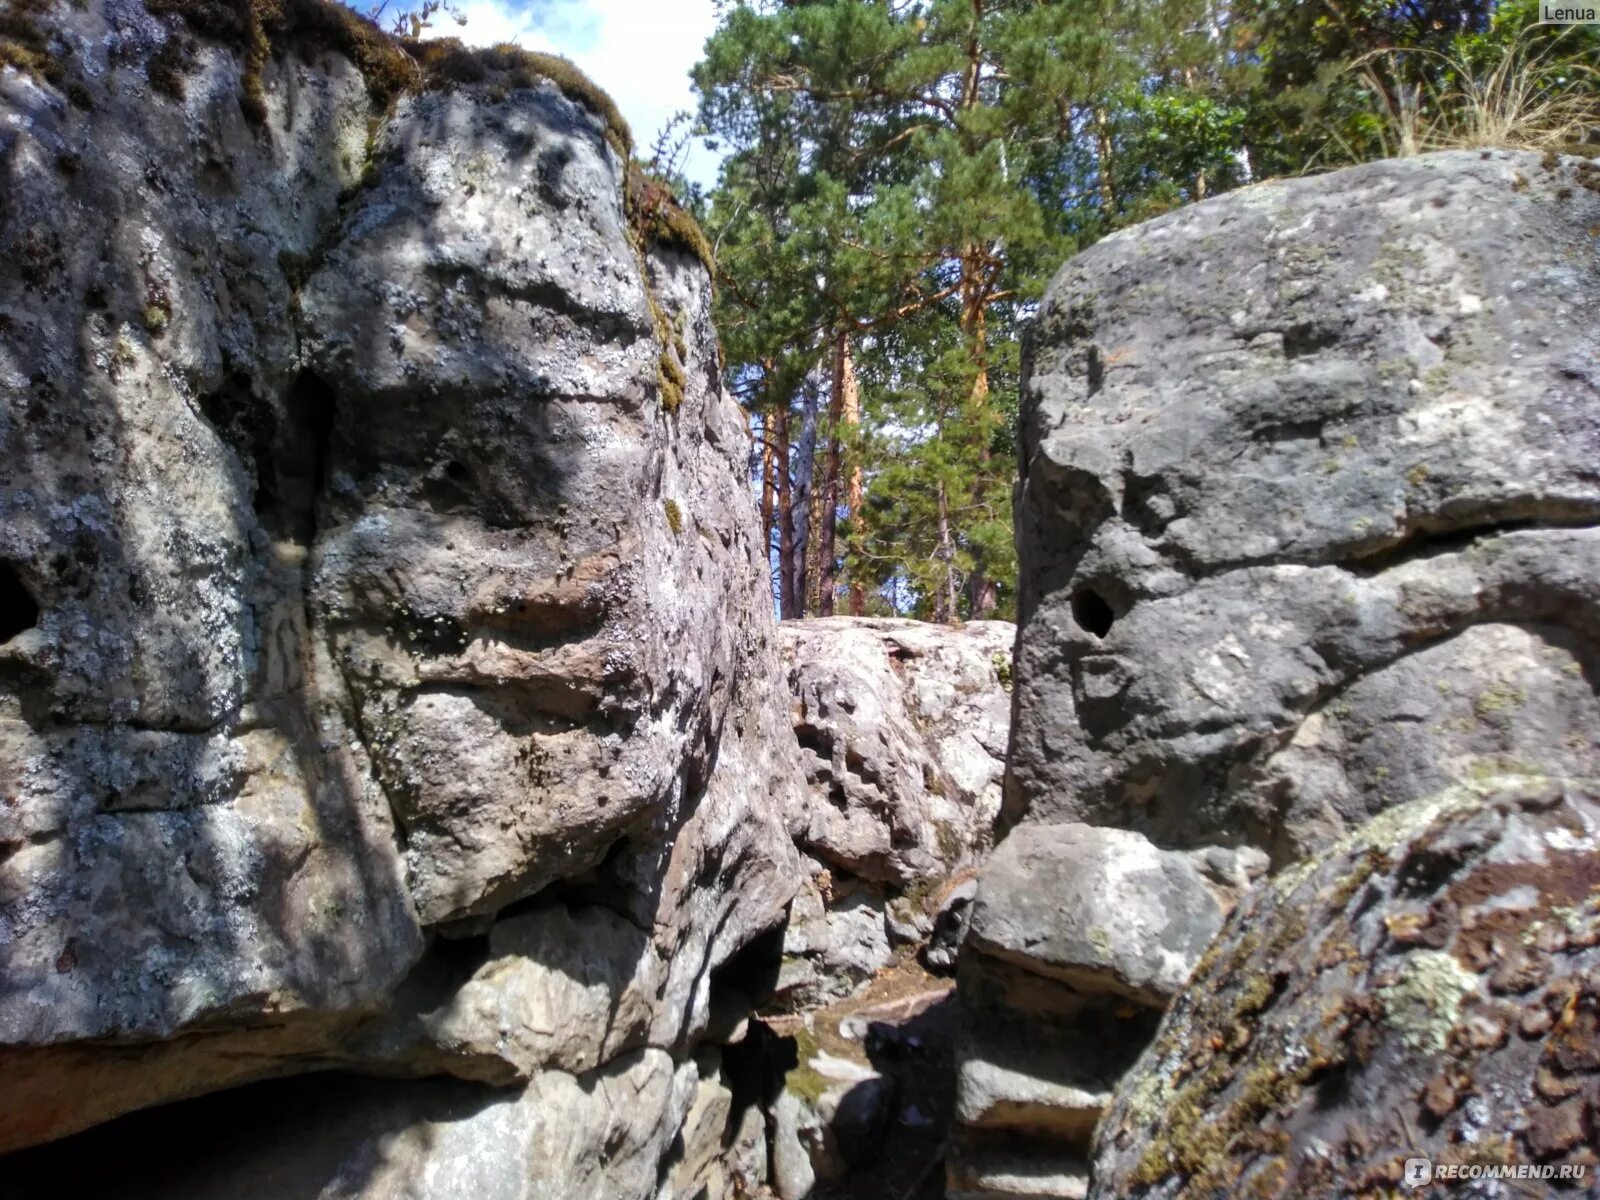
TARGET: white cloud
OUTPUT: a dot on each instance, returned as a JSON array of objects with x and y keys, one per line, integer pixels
[{"x": 640, "y": 51}]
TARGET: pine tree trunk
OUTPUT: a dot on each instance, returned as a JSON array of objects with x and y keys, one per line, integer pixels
[
  {"x": 982, "y": 594},
  {"x": 851, "y": 412},
  {"x": 1102, "y": 137},
  {"x": 769, "y": 482},
  {"x": 787, "y": 608},
  {"x": 828, "y": 516},
  {"x": 803, "y": 500},
  {"x": 944, "y": 609},
  {"x": 769, "y": 494}
]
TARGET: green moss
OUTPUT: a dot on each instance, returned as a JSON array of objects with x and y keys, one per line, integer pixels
[
  {"x": 123, "y": 353},
  {"x": 1002, "y": 669},
  {"x": 167, "y": 67},
  {"x": 26, "y": 43},
  {"x": 656, "y": 216},
  {"x": 803, "y": 1079},
  {"x": 674, "y": 515},
  {"x": 671, "y": 380},
  {"x": 948, "y": 838},
  {"x": 391, "y": 66},
  {"x": 156, "y": 319},
  {"x": 258, "y": 29}
]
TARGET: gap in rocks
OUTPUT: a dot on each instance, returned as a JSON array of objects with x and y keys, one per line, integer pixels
[
  {"x": 270, "y": 1140},
  {"x": 19, "y": 611},
  {"x": 860, "y": 1091}
]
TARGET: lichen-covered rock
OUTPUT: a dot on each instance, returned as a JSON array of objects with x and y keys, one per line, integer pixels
[
  {"x": 1306, "y": 521},
  {"x": 360, "y": 580},
  {"x": 1429, "y": 986}
]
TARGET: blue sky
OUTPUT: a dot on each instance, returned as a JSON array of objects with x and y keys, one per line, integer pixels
[{"x": 638, "y": 50}]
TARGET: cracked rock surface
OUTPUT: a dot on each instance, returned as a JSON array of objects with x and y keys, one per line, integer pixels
[
  {"x": 358, "y": 588},
  {"x": 901, "y": 729},
  {"x": 1308, "y": 515}
]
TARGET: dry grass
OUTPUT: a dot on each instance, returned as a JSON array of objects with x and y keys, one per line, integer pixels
[
  {"x": 659, "y": 217},
  {"x": 1534, "y": 97},
  {"x": 259, "y": 29},
  {"x": 25, "y": 41},
  {"x": 447, "y": 62}
]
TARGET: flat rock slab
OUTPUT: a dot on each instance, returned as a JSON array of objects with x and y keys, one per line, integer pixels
[{"x": 1102, "y": 910}]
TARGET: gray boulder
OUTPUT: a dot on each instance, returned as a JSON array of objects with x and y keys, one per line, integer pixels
[
  {"x": 1102, "y": 910},
  {"x": 364, "y": 578},
  {"x": 1078, "y": 937},
  {"x": 1304, "y": 524},
  {"x": 902, "y": 727},
  {"x": 563, "y": 1137}
]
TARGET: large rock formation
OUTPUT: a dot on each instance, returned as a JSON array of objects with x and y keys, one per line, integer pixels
[
  {"x": 387, "y": 677},
  {"x": 903, "y": 726},
  {"x": 1307, "y": 530},
  {"x": 901, "y": 729},
  {"x": 1308, "y": 493},
  {"x": 1429, "y": 987}
]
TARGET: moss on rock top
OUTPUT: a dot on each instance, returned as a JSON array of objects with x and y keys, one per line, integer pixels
[{"x": 260, "y": 30}]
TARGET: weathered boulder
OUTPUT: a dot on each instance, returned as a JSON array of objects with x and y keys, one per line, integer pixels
[
  {"x": 1078, "y": 938},
  {"x": 1429, "y": 986},
  {"x": 375, "y": 555},
  {"x": 1306, "y": 519},
  {"x": 430, "y": 1139},
  {"x": 1102, "y": 910},
  {"x": 901, "y": 728},
  {"x": 832, "y": 944}
]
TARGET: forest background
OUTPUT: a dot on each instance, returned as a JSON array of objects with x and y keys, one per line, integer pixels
[{"x": 901, "y": 179}]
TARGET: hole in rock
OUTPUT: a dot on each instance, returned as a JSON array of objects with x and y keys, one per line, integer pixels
[
  {"x": 285, "y": 444},
  {"x": 1090, "y": 610},
  {"x": 818, "y": 741},
  {"x": 749, "y": 976},
  {"x": 19, "y": 612},
  {"x": 1307, "y": 338},
  {"x": 1097, "y": 370}
]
